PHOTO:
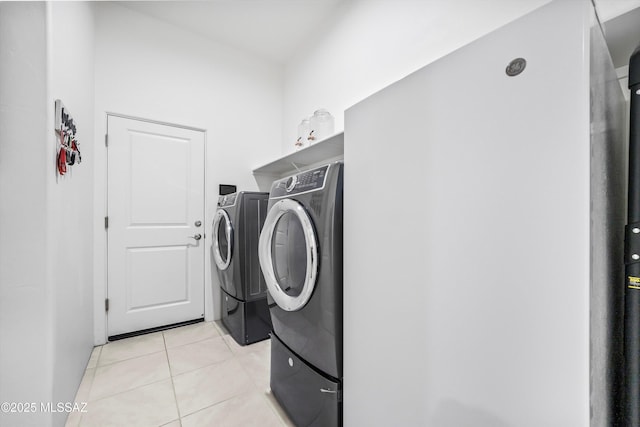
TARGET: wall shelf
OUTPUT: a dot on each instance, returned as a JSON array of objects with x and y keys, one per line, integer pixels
[{"x": 324, "y": 151}]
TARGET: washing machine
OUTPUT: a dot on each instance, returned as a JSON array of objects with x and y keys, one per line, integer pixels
[
  {"x": 300, "y": 253},
  {"x": 236, "y": 230}
]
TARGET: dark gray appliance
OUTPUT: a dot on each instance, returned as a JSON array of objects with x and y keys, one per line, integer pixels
[
  {"x": 236, "y": 230},
  {"x": 301, "y": 258},
  {"x": 632, "y": 248}
]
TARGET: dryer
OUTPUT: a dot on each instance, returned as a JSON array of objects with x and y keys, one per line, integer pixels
[
  {"x": 300, "y": 253},
  {"x": 236, "y": 230}
]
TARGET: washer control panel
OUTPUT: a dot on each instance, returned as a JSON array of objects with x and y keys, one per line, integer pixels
[
  {"x": 228, "y": 200},
  {"x": 305, "y": 181}
]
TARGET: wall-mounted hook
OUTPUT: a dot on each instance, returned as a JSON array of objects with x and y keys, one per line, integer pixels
[{"x": 65, "y": 126}]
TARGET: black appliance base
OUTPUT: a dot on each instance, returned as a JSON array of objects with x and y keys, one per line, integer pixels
[
  {"x": 247, "y": 322},
  {"x": 309, "y": 398}
]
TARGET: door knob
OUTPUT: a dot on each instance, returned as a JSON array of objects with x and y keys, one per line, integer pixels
[
  {"x": 197, "y": 236},
  {"x": 198, "y": 223}
]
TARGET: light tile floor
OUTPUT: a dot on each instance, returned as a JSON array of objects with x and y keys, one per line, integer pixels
[{"x": 192, "y": 376}]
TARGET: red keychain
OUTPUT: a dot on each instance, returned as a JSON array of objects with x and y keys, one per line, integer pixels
[
  {"x": 62, "y": 156},
  {"x": 62, "y": 161}
]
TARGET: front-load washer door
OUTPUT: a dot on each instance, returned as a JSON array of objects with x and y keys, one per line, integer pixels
[
  {"x": 288, "y": 252},
  {"x": 222, "y": 239}
]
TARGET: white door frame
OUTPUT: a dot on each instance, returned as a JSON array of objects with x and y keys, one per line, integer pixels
[{"x": 101, "y": 261}]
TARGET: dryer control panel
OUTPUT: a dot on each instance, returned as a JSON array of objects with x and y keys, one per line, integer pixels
[{"x": 301, "y": 183}]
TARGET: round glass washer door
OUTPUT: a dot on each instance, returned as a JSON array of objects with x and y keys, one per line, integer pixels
[
  {"x": 222, "y": 239},
  {"x": 288, "y": 252}
]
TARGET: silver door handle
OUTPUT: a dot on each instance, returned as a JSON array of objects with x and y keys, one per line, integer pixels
[
  {"x": 324, "y": 390},
  {"x": 197, "y": 236}
]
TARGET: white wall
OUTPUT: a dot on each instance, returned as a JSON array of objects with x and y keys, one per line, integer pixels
[
  {"x": 46, "y": 315},
  {"x": 25, "y": 297},
  {"x": 372, "y": 44},
  {"x": 70, "y": 216},
  {"x": 149, "y": 69},
  {"x": 496, "y": 220}
]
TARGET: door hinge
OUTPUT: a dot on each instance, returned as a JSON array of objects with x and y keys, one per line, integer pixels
[
  {"x": 106, "y": 139},
  {"x": 106, "y": 304},
  {"x": 106, "y": 222}
]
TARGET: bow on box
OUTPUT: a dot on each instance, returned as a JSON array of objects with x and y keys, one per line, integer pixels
[{"x": 68, "y": 151}]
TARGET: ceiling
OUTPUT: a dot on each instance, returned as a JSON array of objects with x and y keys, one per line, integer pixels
[
  {"x": 623, "y": 36},
  {"x": 272, "y": 29},
  {"x": 277, "y": 29}
]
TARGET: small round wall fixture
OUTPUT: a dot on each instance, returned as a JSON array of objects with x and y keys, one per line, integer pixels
[{"x": 516, "y": 67}]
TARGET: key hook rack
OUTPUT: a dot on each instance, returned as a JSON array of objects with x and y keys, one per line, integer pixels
[{"x": 68, "y": 145}]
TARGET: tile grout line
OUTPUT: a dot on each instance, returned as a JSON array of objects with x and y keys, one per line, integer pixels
[
  {"x": 126, "y": 391},
  {"x": 216, "y": 404},
  {"x": 191, "y": 342},
  {"x": 246, "y": 371},
  {"x": 128, "y": 357},
  {"x": 173, "y": 386},
  {"x": 93, "y": 376},
  {"x": 268, "y": 402},
  {"x": 208, "y": 364},
  {"x": 124, "y": 361},
  {"x": 235, "y": 356}
]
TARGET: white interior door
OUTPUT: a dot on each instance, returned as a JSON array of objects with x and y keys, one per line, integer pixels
[{"x": 155, "y": 225}]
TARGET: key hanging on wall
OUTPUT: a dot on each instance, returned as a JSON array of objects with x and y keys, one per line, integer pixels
[{"x": 68, "y": 149}]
